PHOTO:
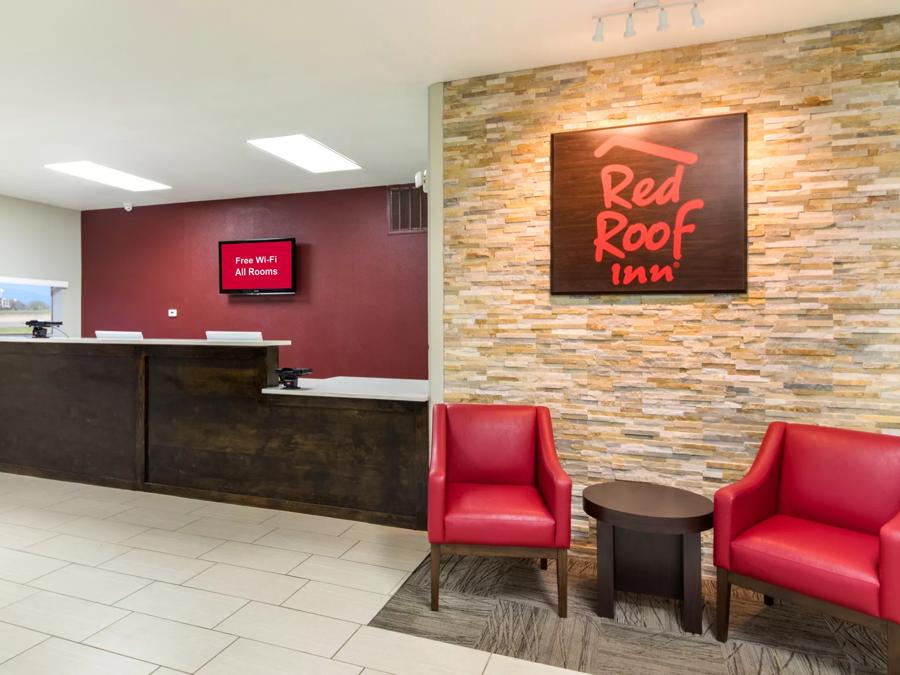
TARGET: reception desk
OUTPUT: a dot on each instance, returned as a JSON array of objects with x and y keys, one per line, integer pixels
[{"x": 205, "y": 419}]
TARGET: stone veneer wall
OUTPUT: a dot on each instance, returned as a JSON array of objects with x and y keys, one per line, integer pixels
[{"x": 679, "y": 389}]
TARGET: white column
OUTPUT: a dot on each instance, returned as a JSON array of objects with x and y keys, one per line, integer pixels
[{"x": 436, "y": 242}]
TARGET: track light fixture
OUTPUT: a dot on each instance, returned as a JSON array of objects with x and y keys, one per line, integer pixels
[
  {"x": 696, "y": 20},
  {"x": 663, "y": 20},
  {"x": 649, "y": 6}
]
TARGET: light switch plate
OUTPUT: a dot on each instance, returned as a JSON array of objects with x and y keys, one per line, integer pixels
[{"x": 173, "y": 313}]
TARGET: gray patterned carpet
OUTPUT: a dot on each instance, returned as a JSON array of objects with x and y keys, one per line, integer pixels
[{"x": 509, "y": 607}]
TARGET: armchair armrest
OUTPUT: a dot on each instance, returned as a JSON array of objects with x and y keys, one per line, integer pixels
[
  {"x": 889, "y": 569},
  {"x": 752, "y": 499},
  {"x": 553, "y": 482},
  {"x": 437, "y": 475}
]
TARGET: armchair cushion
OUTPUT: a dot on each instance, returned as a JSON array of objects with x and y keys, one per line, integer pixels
[
  {"x": 491, "y": 444},
  {"x": 840, "y": 477},
  {"x": 497, "y": 515},
  {"x": 823, "y": 561}
]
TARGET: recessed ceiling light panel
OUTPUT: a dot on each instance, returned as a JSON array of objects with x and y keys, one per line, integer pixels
[
  {"x": 306, "y": 152},
  {"x": 103, "y": 174}
]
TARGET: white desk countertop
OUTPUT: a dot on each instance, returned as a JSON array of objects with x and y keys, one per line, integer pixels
[
  {"x": 381, "y": 388},
  {"x": 153, "y": 342}
]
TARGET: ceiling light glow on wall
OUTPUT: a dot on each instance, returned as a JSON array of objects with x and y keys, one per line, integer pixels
[
  {"x": 306, "y": 152},
  {"x": 103, "y": 174},
  {"x": 638, "y": 6}
]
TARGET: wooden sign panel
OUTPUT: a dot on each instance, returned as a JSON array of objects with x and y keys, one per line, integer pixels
[{"x": 650, "y": 208}]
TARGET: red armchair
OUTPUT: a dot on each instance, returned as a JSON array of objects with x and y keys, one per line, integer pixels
[
  {"x": 816, "y": 521},
  {"x": 496, "y": 488}
]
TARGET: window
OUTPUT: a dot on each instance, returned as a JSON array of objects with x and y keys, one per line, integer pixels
[
  {"x": 24, "y": 300},
  {"x": 407, "y": 209}
]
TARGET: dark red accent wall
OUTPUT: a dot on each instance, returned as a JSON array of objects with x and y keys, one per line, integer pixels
[{"x": 361, "y": 305}]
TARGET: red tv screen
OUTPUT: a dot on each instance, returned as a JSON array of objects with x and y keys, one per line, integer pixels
[{"x": 258, "y": 266}]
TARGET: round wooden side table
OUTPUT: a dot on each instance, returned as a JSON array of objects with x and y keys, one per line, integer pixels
[{"x": 648, "y": 541}]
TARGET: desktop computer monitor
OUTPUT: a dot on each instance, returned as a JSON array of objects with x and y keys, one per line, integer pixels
[
  {"x": 234, "y": 336},
  {"x": 118, "y": 335}
]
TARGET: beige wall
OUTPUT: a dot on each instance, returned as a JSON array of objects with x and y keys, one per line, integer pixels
[
  {"x": 43, "y": 242},
  {"x": 679, "y": 389}
]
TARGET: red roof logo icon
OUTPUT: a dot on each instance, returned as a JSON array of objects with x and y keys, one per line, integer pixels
[{"x": 664, "y": 151}]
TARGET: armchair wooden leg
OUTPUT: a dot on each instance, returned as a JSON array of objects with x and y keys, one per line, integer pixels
[
  {"x": 769, "y": 600},
  {"x": 562, "y": 582},
  {"x": 893, "y": 653},
  {"x": 543, "y": 563},
  {"x": 723, "y": 604},
  {"x": 435, "y": 575}
]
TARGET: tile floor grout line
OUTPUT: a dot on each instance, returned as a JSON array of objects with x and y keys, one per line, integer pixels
[
  {"x": 186, "y": 623},
  {"x": 65, "y": 567},
  {"x": 138, "y": 590},
  {"x": 290, "y": 609},
  {"x": 341, "y": 535},
  {"x": 336, "y": 660},
  {"x": 313, "y": 515},
  {"x": 215, "y": 628},
  {"x": 180, "y": 530},
  {"x": 38, "y": 589},
  {"x": 387, "y": 567},
  {"x": 352, "y": 588},
  {"x": 39, "y": 555},
  {"x": 104, "y": 541},
  {"x": 262, "y": 641},
  {"x": 101, "y": 649},
  {"x": 154, "y": 550},
  {"x": 305, "y": 581},
  {"x": 101, "y": 566},
  {"x": 183, "y": 623},
  {"x": 153, "y": 663},
  {"x": 324, "y": 616},
  {"x": 84, "y": 640},
  {"x": 220, "y": 562},
  {"x": 216, "y": 655},
  {"x": 262, "y": 535},
  {"x": 204, "y": 571},
  {"x": 10, "y": 658},
  {"x": 78, "y": 562},
  {"x": 243, "y": 597},
  {"x": 359, "y": 562}
]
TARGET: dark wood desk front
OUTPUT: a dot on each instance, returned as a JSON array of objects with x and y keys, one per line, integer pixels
[{"x": 190, "y": 419}]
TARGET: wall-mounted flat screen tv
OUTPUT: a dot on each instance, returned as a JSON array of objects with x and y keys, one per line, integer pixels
[{"x": 258, "y": 266}]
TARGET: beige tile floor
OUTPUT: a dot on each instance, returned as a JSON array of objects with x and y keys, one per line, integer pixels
[{"x": 100, "y": 581}]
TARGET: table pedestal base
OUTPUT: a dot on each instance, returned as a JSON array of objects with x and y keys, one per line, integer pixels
[{"x": 667, "y": 565}]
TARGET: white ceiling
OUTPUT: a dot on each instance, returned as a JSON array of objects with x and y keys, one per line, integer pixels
[{"x": 171, "y": 89}]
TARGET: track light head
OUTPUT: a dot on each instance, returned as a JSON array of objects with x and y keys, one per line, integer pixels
[
  {"x": 662, "y": 7},
  {"x": 696, "y": 20}
]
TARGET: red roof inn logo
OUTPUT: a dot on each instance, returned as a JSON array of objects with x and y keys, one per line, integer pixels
[{"x": 650, "y": 208}]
